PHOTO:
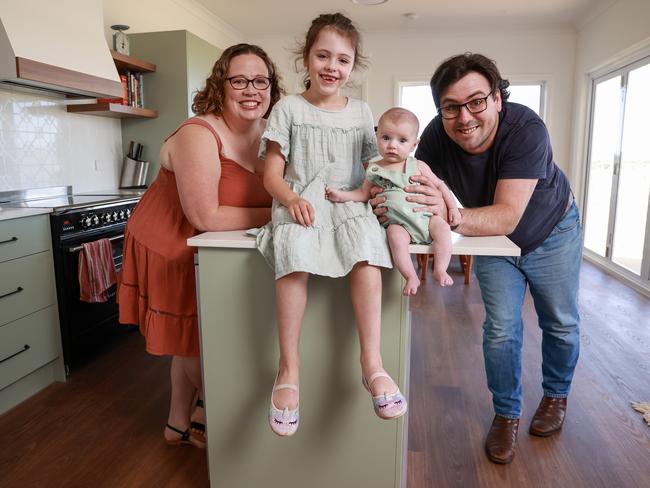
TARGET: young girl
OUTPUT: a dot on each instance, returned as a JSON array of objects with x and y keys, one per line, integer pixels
[
  {"x": 316, "y": 139},
  {"x": 397, "y": 136}
]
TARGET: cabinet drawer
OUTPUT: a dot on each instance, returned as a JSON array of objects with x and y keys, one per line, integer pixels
[
  {"x": 26, "y": 285},
  {"x": 20, "y": 237},
  {"x": 27, "y": 344}
]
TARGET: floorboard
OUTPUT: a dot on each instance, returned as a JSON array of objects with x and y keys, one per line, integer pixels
[{"x": 103, "y": 428}]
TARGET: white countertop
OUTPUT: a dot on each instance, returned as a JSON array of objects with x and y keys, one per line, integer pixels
[
  {"x": 7, "y": 213},
  {"x": 476, "y": 246}
]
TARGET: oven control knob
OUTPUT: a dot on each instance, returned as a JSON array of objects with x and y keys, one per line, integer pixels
[
  {"x": 85, "y": 222},
  {"x": 122, "y": 214},
  {"x": 107, "y": 218},
  {"x": 128, "y": 213},
  {"x": 114, "y": 215},
  {"x": 95, "y": 220}
]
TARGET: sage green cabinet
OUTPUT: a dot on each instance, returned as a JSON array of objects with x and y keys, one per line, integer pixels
[
  {"x": 30, "y": 337},
  {"x": 183, "y": 62}
]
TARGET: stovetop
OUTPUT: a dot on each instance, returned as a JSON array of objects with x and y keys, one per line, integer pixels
[{"x": 62, "y": 198}]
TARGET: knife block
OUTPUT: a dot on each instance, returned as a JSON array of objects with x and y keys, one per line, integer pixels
[{"x": 134, "y": 173}]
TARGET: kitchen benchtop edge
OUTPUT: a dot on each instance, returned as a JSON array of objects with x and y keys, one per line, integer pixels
[
  {"x": 489, "y": 245},
  {"x": 7, "y": 213}
]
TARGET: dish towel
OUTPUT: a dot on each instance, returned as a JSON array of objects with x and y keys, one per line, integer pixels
[{"x": 96, "y": 271}]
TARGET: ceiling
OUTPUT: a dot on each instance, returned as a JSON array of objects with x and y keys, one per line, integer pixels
[{"x": 281, "y": 17}]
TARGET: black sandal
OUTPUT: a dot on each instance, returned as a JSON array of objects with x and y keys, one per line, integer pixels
[
  {"x": 198, "y": 428},
  {"x": 186, "y": 438}
]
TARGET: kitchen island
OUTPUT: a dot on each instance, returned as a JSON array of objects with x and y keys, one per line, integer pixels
[{"x": 340, "y": 442}]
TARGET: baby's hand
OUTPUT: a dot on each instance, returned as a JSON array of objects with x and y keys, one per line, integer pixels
[
  {"x": 333, "y": 195},
  {"x": 454, "y": 216},
  {"x": 301, "y": 211}
]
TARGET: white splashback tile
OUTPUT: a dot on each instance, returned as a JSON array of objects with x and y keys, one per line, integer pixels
[{"x": 41, "y": 144}]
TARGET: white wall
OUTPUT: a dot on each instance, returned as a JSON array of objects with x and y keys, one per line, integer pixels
[
  {"x": 548, "y": 55},
  {"x": 43, "y": 145},
  {"x": 618, "y": 34},
  {"x": 164, "y": 15}
]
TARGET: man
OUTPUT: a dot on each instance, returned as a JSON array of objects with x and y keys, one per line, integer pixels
[{"x": 497, "y": 158}]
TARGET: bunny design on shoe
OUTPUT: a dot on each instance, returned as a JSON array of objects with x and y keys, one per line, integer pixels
[
  {"x": 284, "y": 422},
  {"x": 387, "y": 406}
]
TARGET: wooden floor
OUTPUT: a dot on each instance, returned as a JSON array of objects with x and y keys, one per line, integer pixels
[{"x": 103, "y": 428}]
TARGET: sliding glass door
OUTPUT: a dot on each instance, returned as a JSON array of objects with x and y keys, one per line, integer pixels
[{"x": 618, "y": 184}]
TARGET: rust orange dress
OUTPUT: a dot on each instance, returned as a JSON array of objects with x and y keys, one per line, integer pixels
[{"x": 157, "y": 290}]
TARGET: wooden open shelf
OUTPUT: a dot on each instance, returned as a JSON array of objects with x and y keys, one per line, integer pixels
[
  {"x": 124, "y": 62},
  {"x": 114, "y": 110}
]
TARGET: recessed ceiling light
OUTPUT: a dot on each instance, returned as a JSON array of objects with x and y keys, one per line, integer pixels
[{"x": 369, "y": 2}]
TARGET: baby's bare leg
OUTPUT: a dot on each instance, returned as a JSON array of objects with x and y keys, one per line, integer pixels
[
  {"x": 399, "y": 240},
  {"x": 441, "y": 235}
]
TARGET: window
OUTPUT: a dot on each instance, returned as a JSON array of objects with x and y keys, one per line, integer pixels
[
  {"x": 618, "y": 171},
  {"x": 416, "y": 97}
]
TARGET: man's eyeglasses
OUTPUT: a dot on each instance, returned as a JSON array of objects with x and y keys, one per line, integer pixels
[
  {"x": 474, "y": 106},
  {"x": 241, "y": 82}
]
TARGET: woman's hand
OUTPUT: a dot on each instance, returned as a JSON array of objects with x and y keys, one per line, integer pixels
[
  {"x": 301, "y": 211},
  {"x": 424, "y": 191}
]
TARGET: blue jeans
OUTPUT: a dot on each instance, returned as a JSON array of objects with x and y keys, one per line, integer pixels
[{"x": 552, "y": 272}]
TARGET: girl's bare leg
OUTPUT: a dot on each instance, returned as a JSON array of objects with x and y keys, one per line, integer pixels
[
  {"x": 441, "y": 235},
  {"x": 399, "y": 240},
  {"x": 365, "y": 285},
  {"x": 291, "y": 300}
]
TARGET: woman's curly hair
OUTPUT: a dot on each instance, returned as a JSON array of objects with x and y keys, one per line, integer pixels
[{"x": 209, "y": 100}]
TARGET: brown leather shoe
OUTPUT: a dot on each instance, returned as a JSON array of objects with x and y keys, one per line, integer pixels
[
  {"x": 549, "y": 417},
  {"x": 501, "y": 440}
]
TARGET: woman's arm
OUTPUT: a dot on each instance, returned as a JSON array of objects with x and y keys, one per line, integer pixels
[
  {"x": 194, "y": 158},
  {"x": 300, "y": 209}
]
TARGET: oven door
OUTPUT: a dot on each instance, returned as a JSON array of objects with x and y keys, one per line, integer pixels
[{"x": 86, "y": 328}]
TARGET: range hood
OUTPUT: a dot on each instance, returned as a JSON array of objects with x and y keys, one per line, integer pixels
[{"x": 56, "y": 46}]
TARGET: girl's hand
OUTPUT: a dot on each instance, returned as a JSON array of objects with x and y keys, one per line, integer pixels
[
  {"x": 333, "y": 195},
  {"x": 301, "y": 211},
  {"x": 454, "y": 216},
  {"x": 428, "y": 195}
]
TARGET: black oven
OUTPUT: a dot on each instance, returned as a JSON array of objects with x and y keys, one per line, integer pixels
[{"x": 86, "y": 328}]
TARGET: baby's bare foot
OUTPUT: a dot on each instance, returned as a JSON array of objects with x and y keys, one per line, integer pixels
[
  {"x": 443, "y": 278},
  {"x": 411, "y": 287}
]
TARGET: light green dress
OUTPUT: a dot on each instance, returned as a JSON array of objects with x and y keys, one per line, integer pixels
[
  {"x": 322, "y": 148},
  {"x": 400, "y": 211}
]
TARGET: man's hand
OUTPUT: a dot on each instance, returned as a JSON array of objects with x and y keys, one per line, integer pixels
[
  {"x": 454, "y": 217},
  {"x": 425, "y": 192},
  {"x": 301, "y": 211},
  {"x": 375, "y": 201}
]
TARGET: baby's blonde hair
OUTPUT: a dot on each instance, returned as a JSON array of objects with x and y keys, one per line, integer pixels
[{"x": 399, "y": 115}]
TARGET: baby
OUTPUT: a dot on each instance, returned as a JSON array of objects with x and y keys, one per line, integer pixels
[{"x": 397, "y": 136}]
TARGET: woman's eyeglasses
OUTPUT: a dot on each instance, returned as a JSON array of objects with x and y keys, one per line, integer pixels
[{"x": 241, "y": 82}]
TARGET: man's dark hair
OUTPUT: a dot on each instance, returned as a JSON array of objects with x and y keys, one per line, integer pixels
[{"x": 454, "y": 68}]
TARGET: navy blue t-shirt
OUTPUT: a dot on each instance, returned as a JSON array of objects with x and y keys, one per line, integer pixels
[{"x": 521, "y": 150}]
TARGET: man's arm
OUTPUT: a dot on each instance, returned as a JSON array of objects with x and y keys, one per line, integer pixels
[{"x": 511, "y": 198}]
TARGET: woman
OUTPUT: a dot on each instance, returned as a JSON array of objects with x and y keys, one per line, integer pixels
[{"x": 209, "y": 180}]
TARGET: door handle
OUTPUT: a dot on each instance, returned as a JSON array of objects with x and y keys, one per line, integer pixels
[
  {"x": 25, "y": 348},
  {"x": 13, "y": 239},
  {"x": 17, "y": 290}
]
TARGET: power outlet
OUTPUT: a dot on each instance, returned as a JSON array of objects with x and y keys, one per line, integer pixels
[{"x": 99, "y": 166}]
